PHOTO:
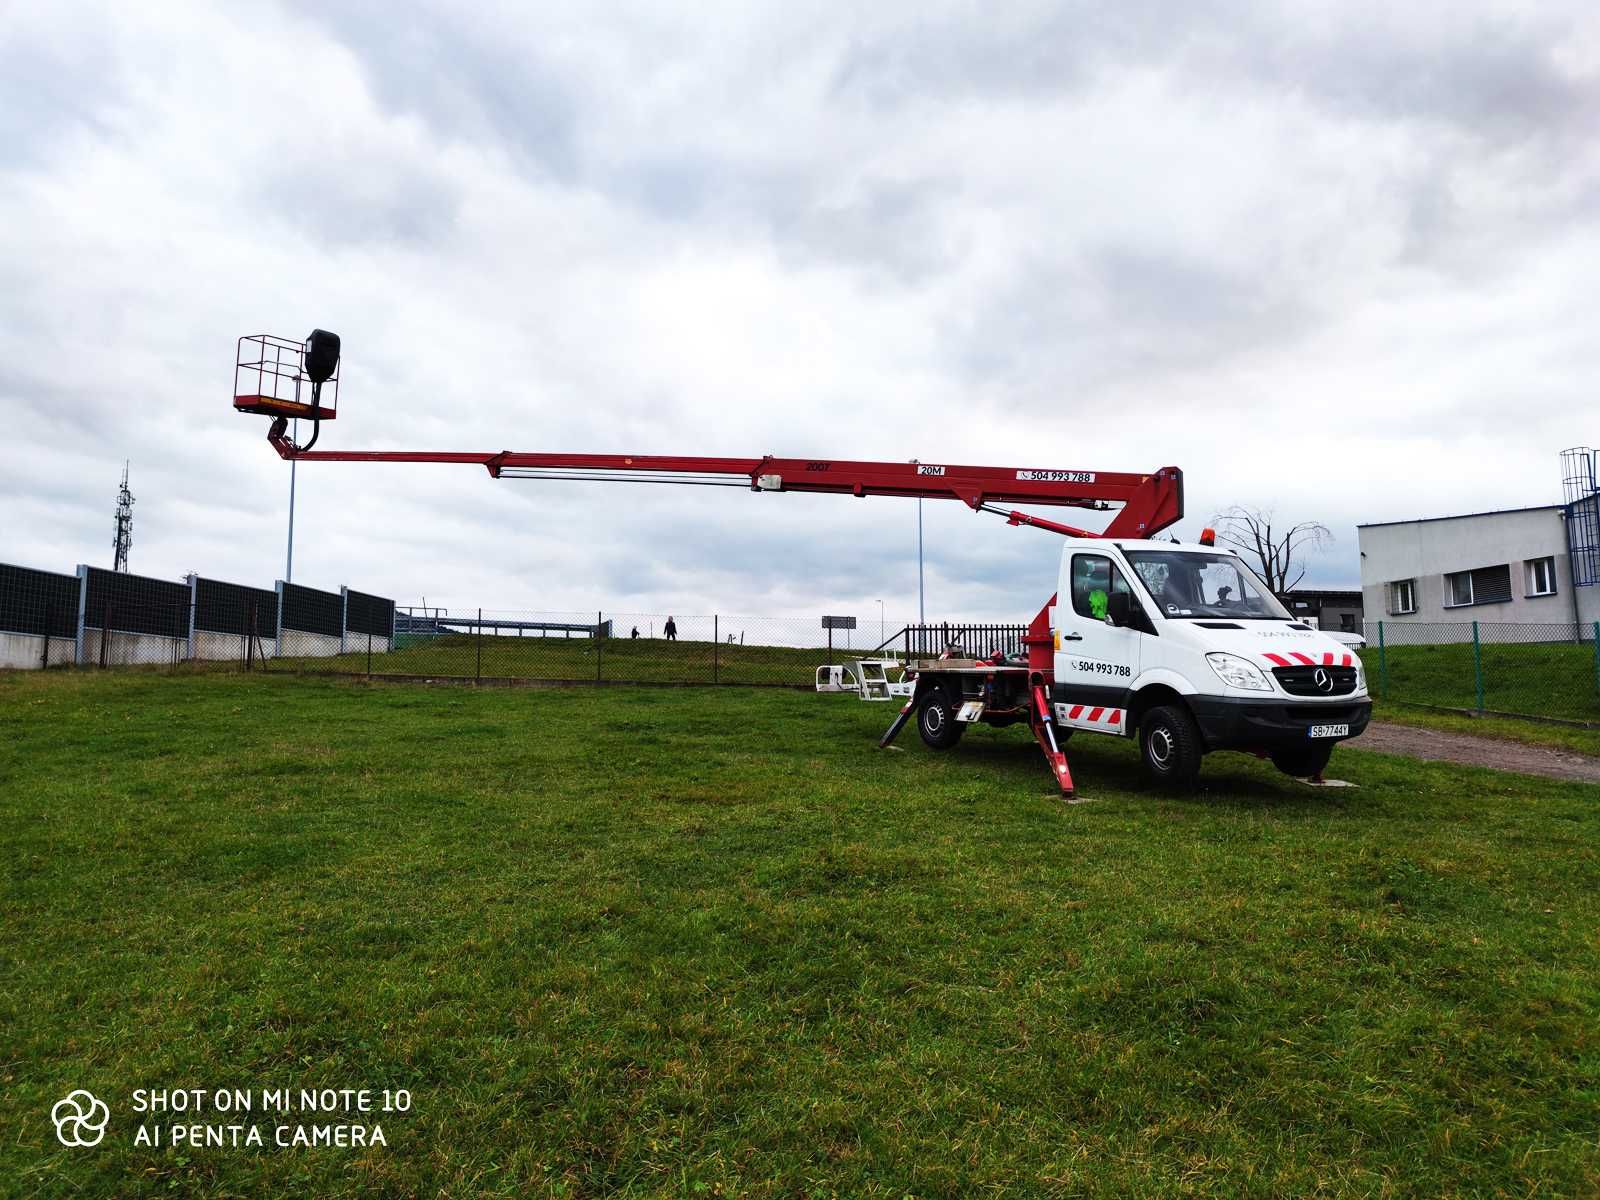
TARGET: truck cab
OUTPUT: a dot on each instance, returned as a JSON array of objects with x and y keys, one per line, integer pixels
[{"x": 1182, "y": 647}]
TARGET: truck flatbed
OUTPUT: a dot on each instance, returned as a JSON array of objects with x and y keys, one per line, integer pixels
[{"x": 961, "y": 666}]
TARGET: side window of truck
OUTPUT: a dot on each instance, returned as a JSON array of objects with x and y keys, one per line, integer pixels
[{"x": 1094, "y": 578}]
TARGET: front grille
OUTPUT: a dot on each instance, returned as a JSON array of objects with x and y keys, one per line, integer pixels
[
  {"x": 1322, "y": 714},
  {"x": 1303, "y": 681}
]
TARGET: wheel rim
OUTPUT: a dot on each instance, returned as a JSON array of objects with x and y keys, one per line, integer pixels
[
  {"x": 933, "y": 718},
  {"x": 1159, "y": 746}
]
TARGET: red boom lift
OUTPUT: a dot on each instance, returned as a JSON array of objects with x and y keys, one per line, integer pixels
[{"x": 271, "y": 375}]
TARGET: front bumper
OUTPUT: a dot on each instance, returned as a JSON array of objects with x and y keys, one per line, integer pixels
[{"x": 1229, "y": 723}]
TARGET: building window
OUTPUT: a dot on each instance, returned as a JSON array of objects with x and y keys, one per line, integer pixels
[
  {"x": 1347, "y": 622},
  {"x": 1403, "y": 597},
  {"x": 1486, "y": 585},
  {"x": 1541, "y": 577}
]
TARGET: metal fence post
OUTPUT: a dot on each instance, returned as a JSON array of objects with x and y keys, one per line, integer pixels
[
  {"x": 1597, "y": 656},
  {"x": 49, "y": 612},
  {"x": 599, "y": 644},
  {"x": 369, "y": 656},
  {"x": 716, "y": 647},
  {"x": 1477, "y": 665},
  {"x": 78, "y": 648},
  {"x": 1383, "y": 665},
  {"x": 477, "y": 674},
  {"x": 194, "y": 594}
]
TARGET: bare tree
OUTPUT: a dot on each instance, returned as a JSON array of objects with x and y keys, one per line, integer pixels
[{"x": 1278, "y": 553}]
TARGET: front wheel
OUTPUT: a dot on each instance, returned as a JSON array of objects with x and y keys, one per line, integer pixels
[
  {"x": 1303, "y": 761},
  {"x": 1169, "y": 746},
  {"x": 936, "y": 721}
]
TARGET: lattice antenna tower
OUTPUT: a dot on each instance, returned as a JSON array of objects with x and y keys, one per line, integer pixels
[{"x": 124, "y": 538}]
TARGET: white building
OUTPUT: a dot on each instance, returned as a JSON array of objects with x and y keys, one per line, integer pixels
[{"x": 1510, "y": 565}]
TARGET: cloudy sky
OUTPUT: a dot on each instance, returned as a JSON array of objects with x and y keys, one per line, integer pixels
[{"x": 1336, "y": 260}]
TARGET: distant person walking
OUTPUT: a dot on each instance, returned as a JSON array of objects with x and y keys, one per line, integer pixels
[
  {"x": 635, "y": 632},
  {"x": 670, "y": 629}
]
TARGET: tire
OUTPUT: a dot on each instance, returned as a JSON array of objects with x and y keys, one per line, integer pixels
[
  {"x": 936, "y": 721},
  {"x": 1170, "y": 746},
  {"x": 1302, "y": 761}
]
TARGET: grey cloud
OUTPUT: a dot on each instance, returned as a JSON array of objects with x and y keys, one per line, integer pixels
[
  {"x": 369, "y": 198},
  {"x": 1495, "y": 80},
  {"x": 443, "y": 66},
  {"x": 1120, "y": 311},
  {"x": 1011, "y": 51},
  {"x": 53, "y": 87}
]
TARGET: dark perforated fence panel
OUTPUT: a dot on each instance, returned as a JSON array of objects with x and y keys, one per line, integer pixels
[
  {"x": 38, "y": 602},
  {"x": 136, "y": 604},
  {"x": 226, "y": 608},
  {"x": 310, "y": 611},
  {"x": 369, "y": 614}
]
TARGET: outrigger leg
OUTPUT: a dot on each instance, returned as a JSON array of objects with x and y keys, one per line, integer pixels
[
  {"x": 917, "y": 693},
  {"x": 1044, "y": 729}
]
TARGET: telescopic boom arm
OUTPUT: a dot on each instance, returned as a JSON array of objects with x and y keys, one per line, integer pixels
[{"x": 1148, "y": 503}]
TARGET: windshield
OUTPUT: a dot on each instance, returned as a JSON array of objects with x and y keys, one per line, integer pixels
[{"x": 1187, "y": 585}]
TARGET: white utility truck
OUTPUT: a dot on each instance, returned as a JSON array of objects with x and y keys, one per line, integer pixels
[{"x": 1179, "y": 646}]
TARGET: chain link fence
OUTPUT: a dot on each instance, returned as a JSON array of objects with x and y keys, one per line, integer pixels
[
  {"x": 1548, "y": 672},
  {"x": 96, "y": 618},
  {"x": 498, "y": 645}
]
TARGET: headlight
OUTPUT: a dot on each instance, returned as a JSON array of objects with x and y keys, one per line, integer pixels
[
  {"x": 1238, "y": 672},
  {"x": 1361, "y": 675}
]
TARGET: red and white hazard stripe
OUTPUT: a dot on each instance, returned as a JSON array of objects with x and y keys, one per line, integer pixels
[
  {"x": 1295, "y": 659},
  {"x": 1089, "y": 716}
]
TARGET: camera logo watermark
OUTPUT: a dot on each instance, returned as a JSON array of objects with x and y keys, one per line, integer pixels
[{"x": 80, "y": 1119}]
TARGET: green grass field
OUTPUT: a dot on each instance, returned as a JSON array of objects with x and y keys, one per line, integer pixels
[
  {"x": 1549, "y": 679},
  {"x": 710, "y": 942}
]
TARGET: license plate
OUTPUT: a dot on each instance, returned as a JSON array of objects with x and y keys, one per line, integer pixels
[{"x": 1330, "y": 731}]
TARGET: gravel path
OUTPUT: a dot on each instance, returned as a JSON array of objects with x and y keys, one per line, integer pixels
[{"x": 1472, "y": 750}]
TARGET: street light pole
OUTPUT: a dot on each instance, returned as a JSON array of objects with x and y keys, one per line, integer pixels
[
  {"x": 880, "y": 622},
  {"x": 288, "y": 566},
  {"x": 922, "y": 612}
]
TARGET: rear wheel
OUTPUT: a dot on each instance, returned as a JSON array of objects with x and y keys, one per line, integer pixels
[
  {"x": 1301, "y": 761},
  {"x": 1169, "y": 746},
  {"x": 936, "y": 721}
]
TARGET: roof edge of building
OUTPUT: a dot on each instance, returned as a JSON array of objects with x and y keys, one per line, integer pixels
[{"x": 1489, "y": 512}]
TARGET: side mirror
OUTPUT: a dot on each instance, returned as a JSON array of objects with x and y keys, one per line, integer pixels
[{"x": 1119, "y": 609}]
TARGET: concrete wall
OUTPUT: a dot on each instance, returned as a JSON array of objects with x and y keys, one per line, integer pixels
[
  {"x": 1426, "y": 551},
  {"x": 293, "y": 643},
  {"x": 25, "y": 651},
  {"x": 228, "y": 647},
  {"x": 134, "y": 649}
]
